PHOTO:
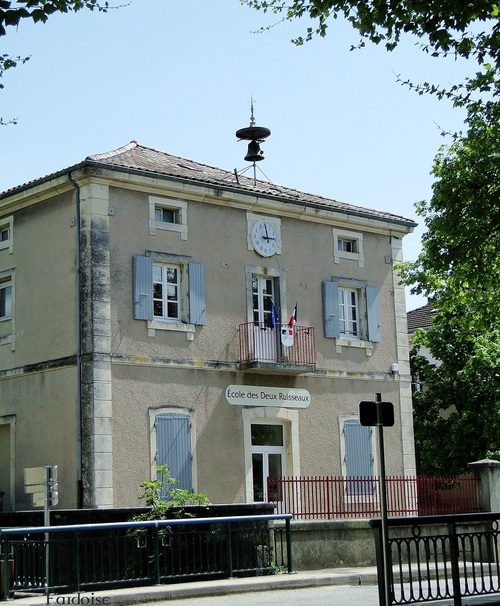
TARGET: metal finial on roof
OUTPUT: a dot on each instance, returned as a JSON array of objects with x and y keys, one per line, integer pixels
[{"x": 252, "y": 119}]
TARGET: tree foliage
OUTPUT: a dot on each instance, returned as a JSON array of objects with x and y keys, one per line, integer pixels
[
  {"x": 442, "y": 25},
  {"x": 457, "y": 415},
  {"x": 459, "y": 266},
  {"x": 161, "y": 495},
  {"x": 12, "y": 12},
  {"x": 469, "y": 30}
]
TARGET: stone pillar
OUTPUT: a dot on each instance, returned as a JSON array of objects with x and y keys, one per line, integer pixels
[{"x": 488, "y": 472}]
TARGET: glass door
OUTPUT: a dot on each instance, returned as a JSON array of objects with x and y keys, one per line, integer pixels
[
  {"x": 264, "y": 337},
  {"x": 268, "y": 457}
]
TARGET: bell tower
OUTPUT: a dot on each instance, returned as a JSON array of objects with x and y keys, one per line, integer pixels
[{"x": 255, "y": 135}]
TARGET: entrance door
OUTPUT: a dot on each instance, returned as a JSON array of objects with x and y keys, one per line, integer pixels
[
  {"x": 265, "y": 332},
  {"x": 268, "y": 457}
]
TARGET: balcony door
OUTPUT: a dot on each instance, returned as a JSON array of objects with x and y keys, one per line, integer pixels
[{"x": 265, "y": 333}]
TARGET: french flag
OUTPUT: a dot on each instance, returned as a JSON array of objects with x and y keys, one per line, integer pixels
[{"x": 293, "y": 317}]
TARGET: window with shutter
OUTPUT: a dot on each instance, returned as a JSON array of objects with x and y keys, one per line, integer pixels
[
  {"x": 358, "y": 457},
  {"x": 173, "y": 447},
  {"x": 351, "y": 311},
  {"x": 169, "y": 292}
]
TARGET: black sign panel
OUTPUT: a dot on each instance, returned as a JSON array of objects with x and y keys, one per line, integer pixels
[{"x": 376, "y": 413}]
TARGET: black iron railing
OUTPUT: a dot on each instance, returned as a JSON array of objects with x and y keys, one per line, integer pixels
[
  {"x": 433, "y": 558},
  {"x": 98, "y": 556}
]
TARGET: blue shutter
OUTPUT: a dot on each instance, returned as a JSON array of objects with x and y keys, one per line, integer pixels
[
  {"x": 373, "y": 314},
  {"x": 173, "y": 447},
  {"x": 358, "y": 456},
  {"x": 331, "y": 323},
  {"x": 197, "y": 308},
  {"x": 143, "y": 288}
]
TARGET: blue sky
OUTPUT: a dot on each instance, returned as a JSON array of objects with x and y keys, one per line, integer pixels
[{"x": 179, "y": 75}]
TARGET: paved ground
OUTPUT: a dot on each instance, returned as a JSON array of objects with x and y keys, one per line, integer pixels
[
  {"x": 347, "y": 582},
  {"x": 122, "y": 597}
]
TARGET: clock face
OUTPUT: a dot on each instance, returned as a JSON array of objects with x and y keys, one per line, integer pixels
[{"x": 264, "y": 238}]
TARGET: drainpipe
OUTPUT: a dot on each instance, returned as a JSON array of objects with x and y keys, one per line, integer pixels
[{"x": 78, "y": 347}]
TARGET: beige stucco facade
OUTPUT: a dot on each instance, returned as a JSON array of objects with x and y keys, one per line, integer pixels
[{"x": 83, "y": 379}]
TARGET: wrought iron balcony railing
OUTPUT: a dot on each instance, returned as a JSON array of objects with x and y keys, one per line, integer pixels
[{"x": 291, "y": 349}]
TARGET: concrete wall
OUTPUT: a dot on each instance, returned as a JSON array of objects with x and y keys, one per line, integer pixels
[
  {"x": 164, "y": 370},
  {"x": 318, "y": 544},
  {"x": 38, "y": 379}
]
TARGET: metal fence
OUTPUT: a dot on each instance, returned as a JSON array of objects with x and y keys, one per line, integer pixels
[
  {"x": 260, "y": 343},
  {"x": 330, "y": 497},
  {"x": 97, "y": 556},
  {"x": 433, "y": 558}
]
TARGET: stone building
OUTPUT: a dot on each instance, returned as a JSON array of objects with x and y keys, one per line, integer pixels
[{"x": 157, "y": 310}]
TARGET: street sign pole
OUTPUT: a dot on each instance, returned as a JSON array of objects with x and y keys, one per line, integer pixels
[
  {"x": 46, "y": 522},
  {"x": 381, "y": 414},
  {"x": 383, "y": 504},
  {"x": 41, "y": 483}
]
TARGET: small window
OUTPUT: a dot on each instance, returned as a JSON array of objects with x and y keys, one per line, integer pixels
[
  {"x": 166, "y": 214},
  {"x": 6, "y": 240},
  {"x": 5, "y": 302},
  {"x": 347, "y": 245}
]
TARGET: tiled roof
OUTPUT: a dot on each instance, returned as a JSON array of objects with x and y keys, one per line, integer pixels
[
  {"x": 138, "y": 158},
  {"x": 421, "y": 317}
]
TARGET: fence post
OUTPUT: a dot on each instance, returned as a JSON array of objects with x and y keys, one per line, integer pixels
[
  {"x": 229, "y": 551},
  {"x": 77, "y": 562},
  {"x": 6, "y": 576},
  {"x": 156, "y": 553},
  {"x": 288, "y": 535},
  {"x": 379, "y": 547},
  {"x": 455, "y": 571}
]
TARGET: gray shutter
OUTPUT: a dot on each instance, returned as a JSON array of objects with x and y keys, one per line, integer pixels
[
  {"x": 331, "y": 323},
  {"x": 173, "y": 447},
  {"x": 373, "y": 314},
  {"x": 197, "y": 310},
  {"x": 358, "y": 456},
  {"x": 143, "y": 288}
]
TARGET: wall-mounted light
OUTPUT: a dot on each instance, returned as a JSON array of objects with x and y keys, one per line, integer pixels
[{"x": 395, "y": 368}]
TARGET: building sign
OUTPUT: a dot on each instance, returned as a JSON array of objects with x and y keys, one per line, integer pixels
[{"x": 253, "y": 395}]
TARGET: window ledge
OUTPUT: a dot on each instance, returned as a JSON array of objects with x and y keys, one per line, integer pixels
[
  {"x": 154, "y": 325},
  {"x": 360, "y": 344},
  {"x": 7, "y": 340},
  {"x": 163, "y": 225}
]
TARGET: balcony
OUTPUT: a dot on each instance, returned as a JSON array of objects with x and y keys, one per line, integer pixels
[{"x": 277, "y": 350}]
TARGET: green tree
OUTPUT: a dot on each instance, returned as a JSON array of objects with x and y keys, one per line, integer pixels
[
  {"x": 161, "y": 495},
  {"x": 457, "y": 415},
  {"x": 442, "y": 27},
  {"x": 12, "y": 12},
  {"x": 459, "y": 266}
]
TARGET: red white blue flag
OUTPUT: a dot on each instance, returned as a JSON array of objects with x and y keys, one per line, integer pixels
[{"x": 293, "y": 317}]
